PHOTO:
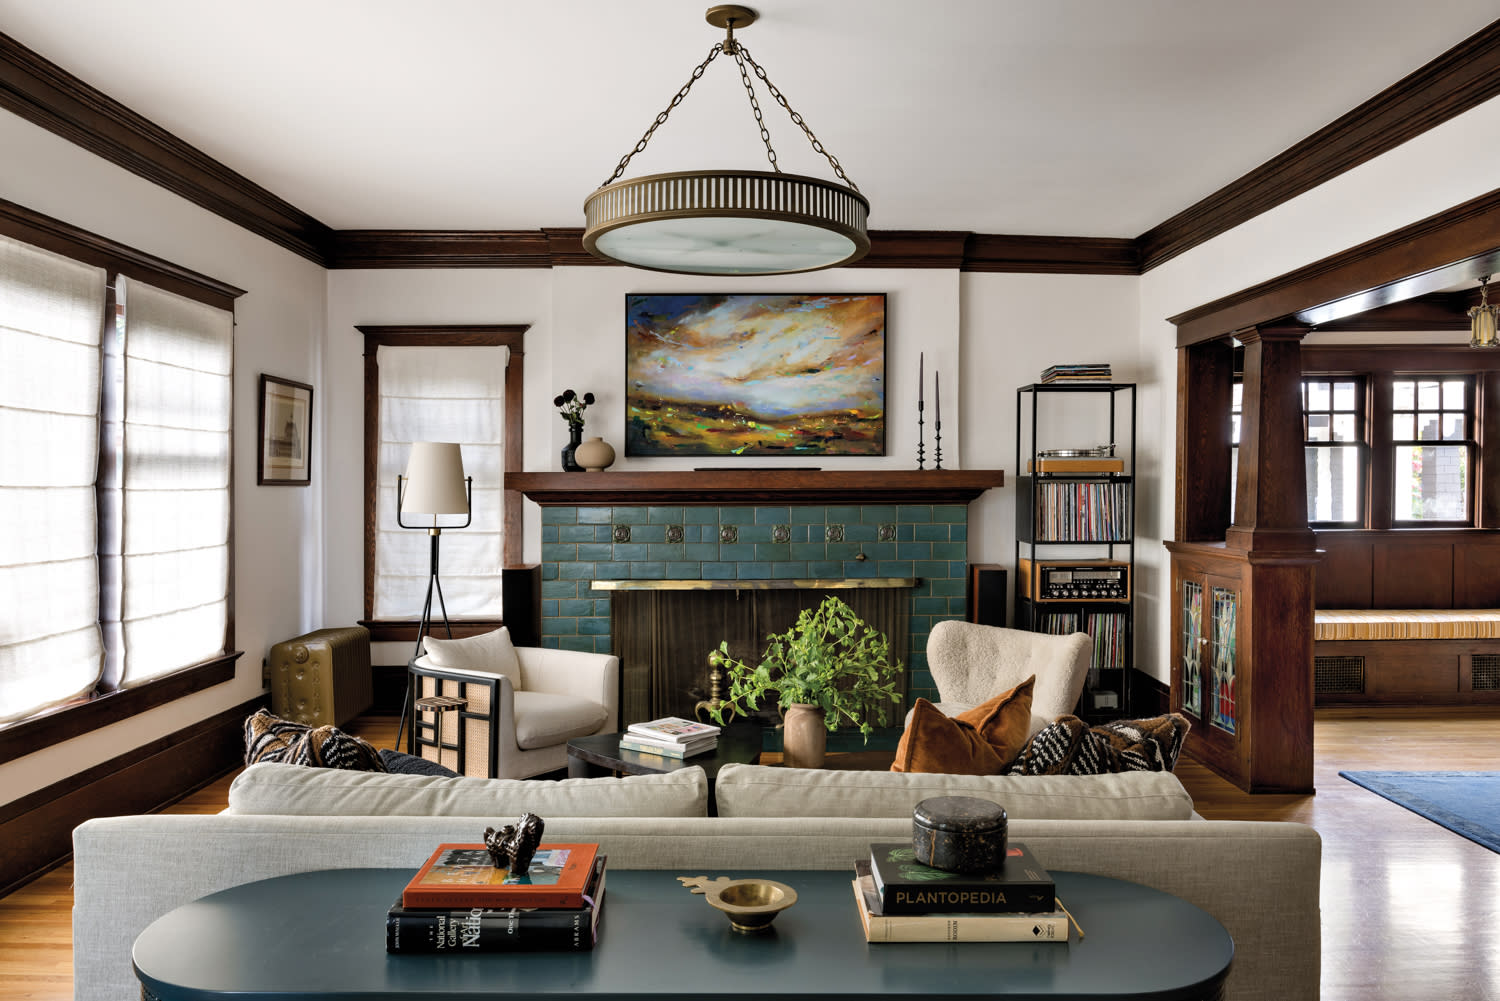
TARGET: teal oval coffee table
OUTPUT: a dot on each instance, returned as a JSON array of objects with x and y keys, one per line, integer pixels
[{"x": 322, "y": 935}]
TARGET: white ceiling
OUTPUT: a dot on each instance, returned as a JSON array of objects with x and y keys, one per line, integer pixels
[{"x": 1057, "y": 117}]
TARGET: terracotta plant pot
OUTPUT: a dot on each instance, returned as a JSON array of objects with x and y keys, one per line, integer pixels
[
  {"x": 594, "y": 454},
  {"x": 804, "y": 736}
]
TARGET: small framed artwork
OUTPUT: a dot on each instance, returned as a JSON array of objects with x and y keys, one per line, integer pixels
[
  {"x": 756, "y": 374},
  {"x": 285, "y": 457}
]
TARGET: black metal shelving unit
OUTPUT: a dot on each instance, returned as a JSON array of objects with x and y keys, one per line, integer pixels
[{"x": 1075, "y": 532}]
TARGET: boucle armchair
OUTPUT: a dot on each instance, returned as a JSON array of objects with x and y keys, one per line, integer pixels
[
  {"x": 523, "y": 704},
  {"x": 971, "y": 663}
]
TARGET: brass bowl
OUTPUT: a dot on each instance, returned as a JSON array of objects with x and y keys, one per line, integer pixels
[{"x": 751, "y": 904}]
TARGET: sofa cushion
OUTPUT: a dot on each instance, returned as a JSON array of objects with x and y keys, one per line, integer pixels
[
  {"x": 1069, "y": 746},
  {"x": 770, "y": 791},
  {"x": 290, "y": 791},
  {"x": 273, "y": 739},
  {"x": 545, "y": 720},
  {"x": 491, "y": 653}
]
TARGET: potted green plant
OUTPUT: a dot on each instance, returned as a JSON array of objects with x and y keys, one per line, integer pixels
[{"x": 829, "y": 668}]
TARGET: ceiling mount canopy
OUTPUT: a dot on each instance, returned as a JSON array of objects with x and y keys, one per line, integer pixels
[{"x": 728, "y": 222}]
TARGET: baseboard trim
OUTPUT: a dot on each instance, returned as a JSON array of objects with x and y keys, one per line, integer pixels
[{"x": 37, "y": 829}]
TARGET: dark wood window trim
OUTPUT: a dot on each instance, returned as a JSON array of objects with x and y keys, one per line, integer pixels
[
  {"x": 1382, "y": 365},
  {"x": 105, "y": 706},
  {"x": 512, "y": 336},
  {"x": 22, "y": 224},
  {"x": 1360, "y": 441},
  {"x": 100, "y": 709}
]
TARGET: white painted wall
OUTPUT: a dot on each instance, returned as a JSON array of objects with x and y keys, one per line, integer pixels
[
  {"x": 279, "y": 561},
  {"x": 1437, "y": 170}
]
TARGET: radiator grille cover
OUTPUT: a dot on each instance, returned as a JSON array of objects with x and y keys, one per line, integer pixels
[
  {"x": 1486, "y": 672},
  {"x": 1342, "y": 675}
]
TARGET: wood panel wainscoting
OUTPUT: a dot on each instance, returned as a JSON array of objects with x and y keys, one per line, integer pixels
[{"x": 37, "y": 829}]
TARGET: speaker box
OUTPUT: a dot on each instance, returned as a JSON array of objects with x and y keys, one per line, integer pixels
[{"x": 986, "y": 593}]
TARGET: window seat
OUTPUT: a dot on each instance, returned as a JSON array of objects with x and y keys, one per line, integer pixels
[
  {"x": 1407, "y": 624},
  {"x": 1406, "y": 656}
]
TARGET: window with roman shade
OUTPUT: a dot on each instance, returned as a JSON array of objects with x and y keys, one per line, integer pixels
[
  {"x": 174, "y": 524},
  {"x": 441, "y": 383},
  {"x": 446, "y": 393},
  {"x": 116, "y": 390},
  {"x": 51, "y": 315}
]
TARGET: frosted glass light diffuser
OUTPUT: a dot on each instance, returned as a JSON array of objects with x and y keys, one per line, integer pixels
[{"x": 727, "y": 223}]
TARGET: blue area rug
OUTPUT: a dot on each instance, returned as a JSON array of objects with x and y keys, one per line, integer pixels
[{"x": 1467, "y": 803}]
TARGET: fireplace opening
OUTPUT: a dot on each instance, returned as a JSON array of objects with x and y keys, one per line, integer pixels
[{"x": 663, "y": 632}]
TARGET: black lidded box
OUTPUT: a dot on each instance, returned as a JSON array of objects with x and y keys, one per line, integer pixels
[{"x": 959, "y": 833}]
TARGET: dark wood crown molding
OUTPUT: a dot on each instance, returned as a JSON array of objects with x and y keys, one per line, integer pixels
[
  {"x": 1073, "y": 255},
  {"x": 563, "y": 247},
  {"x": 47, "y": 95},
  {"x": 1465, "y": 76},
  {"x": 1452, "y": 246}
]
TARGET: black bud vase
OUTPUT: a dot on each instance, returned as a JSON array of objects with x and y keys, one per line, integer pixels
[{"x": 575, "y": 438}]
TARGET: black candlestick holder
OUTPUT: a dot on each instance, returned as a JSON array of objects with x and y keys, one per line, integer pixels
[
  {"x": 921, "y": 447},
  {"x": 938, "y": 446}
]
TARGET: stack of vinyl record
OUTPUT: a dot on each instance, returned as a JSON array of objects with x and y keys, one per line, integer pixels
[{"x": 1096, "y": 372}]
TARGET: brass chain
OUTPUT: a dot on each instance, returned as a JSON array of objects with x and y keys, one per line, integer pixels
[
  {"x": 676, "y": 100},
  {"x": 741, "y": 57},
  {"x": 765, "y": 136},
  {"x": 771, "y": 88}
]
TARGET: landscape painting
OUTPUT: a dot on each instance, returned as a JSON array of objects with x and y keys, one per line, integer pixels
[{"x": 771, "y": 374}]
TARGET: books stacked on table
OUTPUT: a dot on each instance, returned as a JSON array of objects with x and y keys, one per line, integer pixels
[
  {"x": 901, "y": 900},
  {"x": 461, "y": 902},
  {"x": 671, "y": 737},
  {"x": 1096, "y": 372}
]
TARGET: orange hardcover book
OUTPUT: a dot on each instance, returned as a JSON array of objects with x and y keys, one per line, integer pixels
[{"x": 465, "y": 876}]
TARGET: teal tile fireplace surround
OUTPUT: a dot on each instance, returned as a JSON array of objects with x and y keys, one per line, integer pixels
[{"x": 582, "y": 544}]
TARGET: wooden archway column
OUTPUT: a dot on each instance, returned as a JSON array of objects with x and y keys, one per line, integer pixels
[{"x": 1242, "y": 601}]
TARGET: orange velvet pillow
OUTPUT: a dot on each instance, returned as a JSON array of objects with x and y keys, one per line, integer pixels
[
  {"x": 1005, "y": 721},
  {"x": 981, "y": 741}
]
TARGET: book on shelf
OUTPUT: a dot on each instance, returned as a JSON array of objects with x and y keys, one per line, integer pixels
[
  {"x": 463, "y": 875},
  {"x": 958, "y": 926},
  {"x": 499, "y": 929},
  {"x": 674, "y": 729},
  {"x": 905, "y": 886},
  {"x": 630, "y": 742}
]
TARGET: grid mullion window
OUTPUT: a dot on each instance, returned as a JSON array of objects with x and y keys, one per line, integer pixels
[
  {"x": 1433, "y": 447},
  {"x": 1333, "y": 432}
]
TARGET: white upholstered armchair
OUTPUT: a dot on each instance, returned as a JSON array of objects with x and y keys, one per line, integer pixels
[
  {"x": 971, "y": 663},
  {"x": 523, "y": 704}
]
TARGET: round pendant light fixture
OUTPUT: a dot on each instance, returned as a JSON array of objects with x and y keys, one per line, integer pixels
[{"x": 728, "y": 222}]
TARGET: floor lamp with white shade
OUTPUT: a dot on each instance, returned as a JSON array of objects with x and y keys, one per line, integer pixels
[{"x": 434, "y": 485}]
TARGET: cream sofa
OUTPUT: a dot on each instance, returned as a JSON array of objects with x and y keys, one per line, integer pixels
[{"x": 1259, "y": 879}]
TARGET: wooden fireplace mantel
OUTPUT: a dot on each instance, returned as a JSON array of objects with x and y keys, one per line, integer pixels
[{"x": 758, "y": 486}]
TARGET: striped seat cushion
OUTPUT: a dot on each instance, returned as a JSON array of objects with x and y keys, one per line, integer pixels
[{"x": 1407, "y": 624}]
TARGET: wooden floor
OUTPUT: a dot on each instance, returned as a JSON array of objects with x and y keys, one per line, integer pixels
[{"x": 1410, "y": 910}]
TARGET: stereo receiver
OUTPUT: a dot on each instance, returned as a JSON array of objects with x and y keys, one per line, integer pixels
[{"x": 1077, "y": 580}]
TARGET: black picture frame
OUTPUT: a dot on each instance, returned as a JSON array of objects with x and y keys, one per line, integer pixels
[{"x": 283, "y": 457}]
